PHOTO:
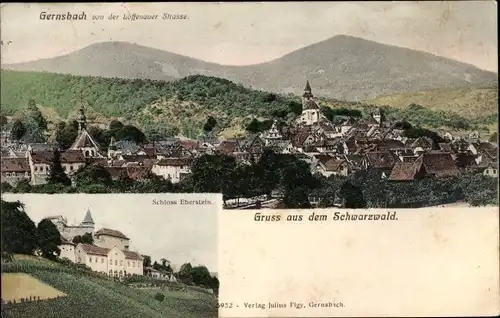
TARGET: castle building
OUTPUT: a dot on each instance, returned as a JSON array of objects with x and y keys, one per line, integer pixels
[
  {"x": 109, "y": 254},
  {"x": 70, "y": 231}
]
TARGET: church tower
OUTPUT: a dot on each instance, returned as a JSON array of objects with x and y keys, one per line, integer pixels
[
  {"x": 84, "y": 142},
  {"x": 81, "y": 120},
  {"x": 310, "y": 110}
]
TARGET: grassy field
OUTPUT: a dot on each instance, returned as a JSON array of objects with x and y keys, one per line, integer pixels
[
  {"x": 16, "y": 286},
  {"x": 92, "y": 296}
]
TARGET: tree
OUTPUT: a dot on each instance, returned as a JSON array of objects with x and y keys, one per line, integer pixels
[
  {"x": 146, "y": 261},
  {"x": 57, "y": 175},
  {"x": 214, "y": 284},
  {"x": 210, "y": 124},
  {"x": 18, "y": 130},
  {"x": 49, "y": 239},
  {"x": 352, "y": 195},
  {"x": 159, "y": 297},
  {"x": 185, "y": 273},
  {"x": 212, "y": 173},
  {"x": 3, "y": 120},
  {"x": 494, "y": 137},
  {"x": 114, "y": 127},
  {"x": 34, "y": 113},
  {"x": 201, "y": 276},
  {"x": 131, "y": 133},
  {"x": 89, "y": 175},
  {"x": 84, "y": 239},
  {"x": 254, "y": 126},
  {"x": 19, "y": 233},
  {"x": 66, "y": 133},
  {"x": 33, "y": 132}
]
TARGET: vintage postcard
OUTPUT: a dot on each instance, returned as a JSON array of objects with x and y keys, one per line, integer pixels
[
  {"x": 116, "y": 255},
  {"x": 354, "y": 144},
  {"x": 373, "y": 105}
]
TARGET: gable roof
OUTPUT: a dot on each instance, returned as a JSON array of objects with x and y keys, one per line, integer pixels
[
  {"x": 332, "y": 164},
  {"x": 110, "y": 232},
  {"x": 84, "y": 140},
  {"x": 95, "y": 250},
  {"x": 132, "y": 255},
  {"x": 440, "y": 164},
  {"x": 403, "y": 171},
  {"x": 380, "y": 159},
  {"x": 15, "y": 165}
]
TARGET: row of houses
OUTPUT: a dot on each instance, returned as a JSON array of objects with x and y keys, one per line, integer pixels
[{"x": 330, "y": 149}]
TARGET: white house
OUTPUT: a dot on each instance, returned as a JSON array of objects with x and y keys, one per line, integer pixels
[
  {"x": 109, "y": 261},
  {"x": 109, "y": 238},
  {"x": 67, "y": 250},
  {"x": 173, "y": 169}
]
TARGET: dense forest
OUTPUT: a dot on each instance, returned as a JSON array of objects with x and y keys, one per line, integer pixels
[{"x": 182, "y": 106}]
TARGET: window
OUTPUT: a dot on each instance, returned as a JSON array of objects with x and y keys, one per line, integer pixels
[
  {"x": 102, "y": 260},
  {"x": 116, "y": 262},
  {"x": 96, "y": 259},
  {"x": 121, "y": 263},
  {"x": 90, "y": 259},
  {"x": 110, "y": 261},
  {"x": 128, "y": 263},
  {"x": 71, "y": 167},
  {"x": 36, "y": 168}
]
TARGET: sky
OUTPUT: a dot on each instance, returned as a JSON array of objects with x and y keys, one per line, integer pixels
[
  {"x": 181, "y": 234},
  {"x": 249, "y": 33}
]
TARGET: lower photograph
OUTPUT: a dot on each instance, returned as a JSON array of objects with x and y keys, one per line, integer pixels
[{"x": 123, "y": 255}]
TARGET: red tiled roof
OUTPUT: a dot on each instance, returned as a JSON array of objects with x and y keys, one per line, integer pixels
[
  {"x": 110, "y": 232},
  {"x": 189, "y": 144},
  {"x": 41, "y": 157},
  {"x": 405, "y": 171},
  {"x": 440, "y": 164},
  {"x": 380, "y": 159},
  {"x": 95, "y": 250},
  {"x": 133, "y": 172},
  {"x": 333, "y": 165},
  {"x": 132, "y": 255},
  {"x": 386, "y": 144},
  {"x": 72, "y": 156},
  {"x": 228, "y": 146},
  {"x": 15, "y": 165}
]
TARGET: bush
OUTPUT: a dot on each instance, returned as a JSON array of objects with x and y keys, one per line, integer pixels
[{"x": 160, "y": 297}]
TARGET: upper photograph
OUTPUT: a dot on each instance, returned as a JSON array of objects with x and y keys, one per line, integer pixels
[{"x": 274, "y": 105}]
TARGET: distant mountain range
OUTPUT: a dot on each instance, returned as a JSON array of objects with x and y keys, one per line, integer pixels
[{"x": 342, "y": 67}]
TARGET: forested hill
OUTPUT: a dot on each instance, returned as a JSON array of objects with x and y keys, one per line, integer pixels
[
  {"x": 342, "y": 67},
  {"x": 183, "y": 106}
]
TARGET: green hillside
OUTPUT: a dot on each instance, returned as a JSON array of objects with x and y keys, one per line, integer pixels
[
  {"x": 182, "y": 106},
  {"x": 91, "y": 296}
]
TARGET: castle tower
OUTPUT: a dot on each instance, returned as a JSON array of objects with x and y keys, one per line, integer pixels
[{"x": 87, "y": 225}]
